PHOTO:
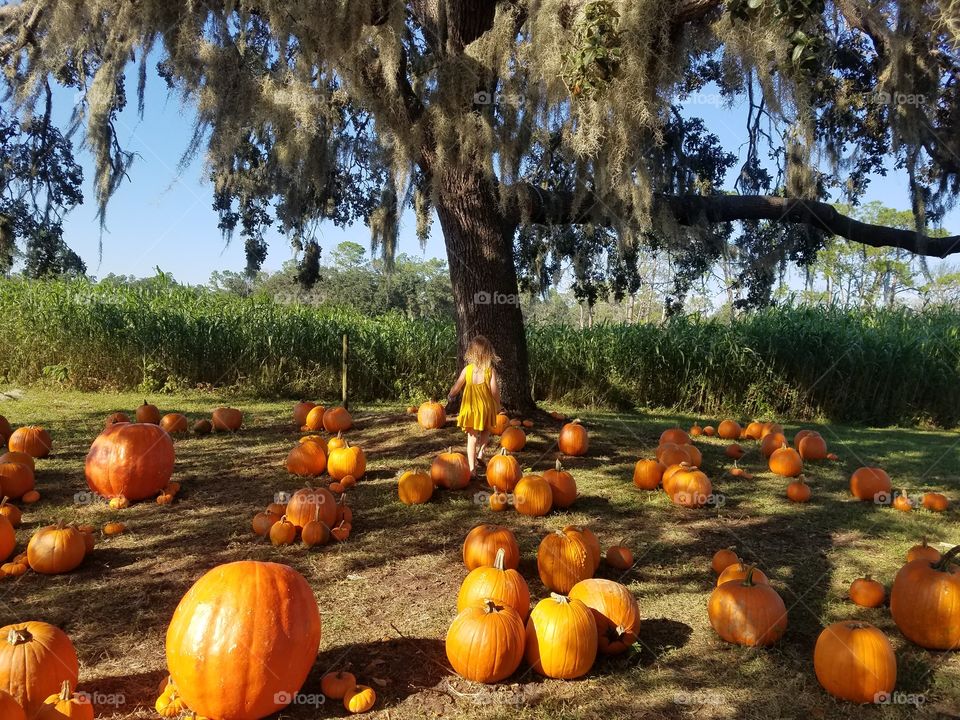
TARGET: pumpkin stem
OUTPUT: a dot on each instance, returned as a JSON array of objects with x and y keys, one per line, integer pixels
[
  {"x": 65, "y": 691},
  {"x": 489, "y": 606},
  {"x": 19, "y": 636},
  {"x": 503, "y": 451},
  {"x": 947, "y": 558},
  {"x": 560, "y": 598},
  {"x": 4, "y": 501},
  {"x": 748, "y": 580},
  {"x": 498, "y": 561},
  {"x": 558, "y": 466}
]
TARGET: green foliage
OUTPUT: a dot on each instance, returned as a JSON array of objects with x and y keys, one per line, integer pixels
[{"x": 880, "y": 366}]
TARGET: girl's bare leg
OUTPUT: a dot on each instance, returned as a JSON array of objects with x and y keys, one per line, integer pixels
[
  {"x": 472, "y": 451},
  {"x": 484, "y": 439}
]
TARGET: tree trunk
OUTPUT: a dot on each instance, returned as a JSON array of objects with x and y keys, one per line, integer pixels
[{"x": 485, "y": 292}]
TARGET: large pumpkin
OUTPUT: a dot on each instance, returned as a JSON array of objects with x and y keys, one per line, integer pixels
[
  {"x": 513, "y": 439},
  {"x": 482, "y": 543},
  {"x": 431, "y": 415},
  {"x": 450, "y": 470},
  {"x": 134, "y": 460},
  {"x": 574, "y": 439},
  {"x": 812, "y": 447},
  {"x": 562, "y": 483},
  {"x": 9, "y": 708},
  {"x": 56, "y": 549},
  {"x": 243, "y": 639},
  {"x": 854, "y": 661},
  {"x": 337, "y": 419},
  {"x": 226, "y": 419},
  {"x": 504, "y": 585},
  {"x": 533, "y": 496},
  {"x": 561, "y": 638},
  {"x": 307, "y": 459},
  {"x": 309, "y": 504},
  {"x": 564, "y": 559},
  {"x": 32, "y": 440},
  {"x": 745, "y": 612},
  {"x": 771, "y": 443},
  {"x": 485, "y": 642},
  {"x": 867, "y": 483},
  {"x": 690, "y": 488},
  {"x": 591, "y": 540},
  {"x": 175, "y": 423},
  {"x": 300, "y": 412},
  {"x": 925, "y": 602},
  {"x": 729, "y": 430},
  {"x": 503, "y": 471},
  {"x": 35, "y": 660},
  {"x": 19, "y": 457},
  {"x": 348, "y": 460},
  {"x": 786, "y": 462},
  {"x": 615, "y": 611},
  {"x": 415, "y": 488},
  {"x": 647, "y": 474},
  {"x": 15, "y": 479}
]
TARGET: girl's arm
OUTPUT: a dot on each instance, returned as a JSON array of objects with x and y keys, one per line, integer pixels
[
  {"x": 458, "y": 385},
  {"x": 495, "y": 388}
]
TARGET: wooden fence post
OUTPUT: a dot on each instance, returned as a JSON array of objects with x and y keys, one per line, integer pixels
[{"x": 343, "y": 373}]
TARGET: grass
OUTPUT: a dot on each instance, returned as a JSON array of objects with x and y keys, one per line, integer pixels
[{"x": 388, "y": 594}]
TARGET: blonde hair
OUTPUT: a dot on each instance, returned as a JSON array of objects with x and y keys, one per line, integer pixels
[{"x": 480, "y": 352}]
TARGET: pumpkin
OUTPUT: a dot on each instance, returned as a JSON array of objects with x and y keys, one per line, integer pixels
[
  {"x": 8, "y": 538},
  {"x": 502, "y": 423},
  {"x": 854, "y": 661},
  {"x": 482, "y": 543},
  {"x": 348, "y": 460},
  {"x": 315, "y": 533},
  {"x": 561, "y": 638},
  {"x": 867, "y": 592},
  {"x": 615, "y": 611},
  {"x": 733, "y": 450},
  {"x": 56, "y": 549},
  {"x": 134, "y": 460},
  {"x": 485, "y": 642},
  {"x": 359, "y": 700},
  {"x": 147, "y": 413},
  {"x": 450, "y": 470},
  {"x": 269, "y": 611},
  {"x": 786, "y": 462},
  {"x": 117, "y": 417},
  {"x": 801, "y": 434},
  {"x": 20, "y": 458},
  {"x": 202, "y": 427},
  {"x": 619, "y": 557},
  {"x": 226, "y": 419},
  {"x": 695, "y": 430},
  {"x": 709, "y": 430},
  {"x": 119, "y": 502},
  {"x": 307, "y": 459},
  {"x": 867, "y": 483},
  {"x": 935, "y": 502},
  {"x": 745, "y": 612},
  {"x": 314, "y": 418},
  {"x": 925, "y": 602},
  {"x": 15, "y": 479},
  {"x": 31, "y": 497},
  {"x": 722, "y": 559},
  {"x": 431, "y": 415},
  {"x": 336, "y": 685},
  {"x": 798, "y": 491},
  {"x": 9, "y": 708},
  {"x": 35, "y": 660},
  {"x": 690, "y": 488},
  {"x": 671, "y": 472},
  {"x": 674, "y": 435},
  {"x": 309, "y": 504},
  {"x": 739, "y": 472},
  {"x": 729, "y": 430},
  {"x": 10, "y": 512},
  {"x": 174, "y": 423},
  {"x": 66, "y": 706},
  {"x": 505, "y": 586},
  {"x": 503, "y": 471},
  {"x": 813, "y": 447},
  {"x": 923, "y": 552},
  {"x": 647, "y": 474},
  {"x": 574, "y": 439},
  {"x": 300, "y": 412},
  {"x": 513, "y": 439},
  {"x": 739, "y": 571},
  {"x": 515, "y": 422},
  {"x": 348, "y": 481},
  {"x": 753, "y": 430},
  {"x": 336, "y": 442},
  {"x": 262, "y": 522},
  {"x": 169, "y": 704},
  {"x": 564, "y": 559},
  {"x": 114, "y": 528},
  {"x": 89, "y": 541},
  {"x": 770, "y": 427},
  {"x": 771, "y": 443},
  {"x": 32, "y": 440},
  {"x": 902, "y": 502},
  {"x": 533, "y": 496},
  {"x": 528, "y": 424},
  {"x": 414, "y": 488},
  {"x": 337, "y": 419},
  {"x": 411, "y": 409},
  {"x": 278, "y": 508},
  {"x": 342, "y": 531},
  {"x": 671, "y": 454},
  {"x": 593, "y": 544},
  {"x": 283, "y": 532},
  {"x": 498, "y": 501}
]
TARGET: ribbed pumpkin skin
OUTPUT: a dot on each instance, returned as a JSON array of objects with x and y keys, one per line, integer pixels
[
  {"x": 648, "y": 474},
  {"x": 562, "y": 484},
  {"x": 854, "y": 661},
  {"x": 9, "y": 708},
  {"x": 308, "y": 504},
  {"x": 503, "y": 586},
  {"x": 925, "y": 603},
  {"x": 307, "y": 459},
  {"x": 751, "y": 615},
  {"x": 450, "y": 470},
  {"x": 53, "y": 550},
  {"x": 574, "y": 439},
  {"x": 485, "y": 642},
  {"x": 35, "y": 660},
  {"x": 561, "y": 638},
  {"x": 174, "y": 423},
  {"x": 533, "y": 496},
  {"x": 32, "y": 440},
  {"x": 431, "y": 416},
  {"x": 134, "y": 460},
  {"x": 414, "y": 488},
  {"x": 481, "y": 545},
  {"x": 313, "y": 420},
  {"x": 615, "y": 611},
  {"x": 563, "y": 560},
  {"x": 591, "y": 540},
  {"x": 244, "y": 633},
  {"x": 347, "y": 461},
  {"x": 15, "y": 479},
  {"x": 503, "y": 472},
  {"x": 226, "y": 419}
]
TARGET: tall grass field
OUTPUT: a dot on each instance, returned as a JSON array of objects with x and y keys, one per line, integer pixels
[{"x": 881, "y": 367}]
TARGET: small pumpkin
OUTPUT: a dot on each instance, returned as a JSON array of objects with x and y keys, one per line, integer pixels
[
  {"x": 482, "y": 543},
  {"x": 431, "y": 415},
  {"x": 450, "y": 470},
  {"x": 619, "y": 557},
  {"x": 119, "y": 502},
  {"x": 867, "y": 592},
  {"x": 854, "y": 661},
  {"x": 202, "y": 427},
  {"x": 647, "y": 474},
  {"x": 342, "y": 531},
  {"x": 733, "y": 450},
  {"x": 533, "y": 496},
  {"x": 771, "y": 443},
  {"x": 812, "y": 447},
  {"x": 226, "y": 419},
  {"x": 56, "y": 549},
  {"x": 561, "y": 638},
  {"x": 147, "y": 413},
  {"x": 360, "y": 700},
  {"x": 114, "y": 528},
  {"x": 10, "y": 512},
  {"x": 513, "y": 439},
  {"x": 564, "y": 558},
  {"x": 745, "y": 612},
  {"x": 30, "y": 497},
  {"x": 336, "y": 442},
  {"x": 347, "y": 482},
  {"x": 870, "y": 483},
  {"x": 335, "y": 685},
  {"x": 902, "y": 502},
  {"x": 798, "y": 491},
  {"x": 315, "y": 533},
  {"x": 300, "y": 412},
  {"x": 67, "y": 706},
  {"x": 786, "y": 462},
  {"x": 283, "y": 532},
  {"x": 503, "y": 471},
  {"x": 574, "y": 439},
  {"x": 117, "y": 417},
  {"x": 175, "y": 423},
  {"x": 935, "y": 502},
  {"x": 307, "y": 459},
  {"x": 695, "y": 430},
  {"x": 562, "y": 484},
  {"x": 348, "y": 460},
  {"x": 709, "y": 430},
  {"x": 485, "y": 642},
  {"x": 722, "y": 559},
  {"x": 35, "y": 660},
  {"x": 263, "y": 521},
  {"x": 498, "y": 501},
  {"x": 729, "y": 430},
  {"x": 309, "y": 504},
  {"x": 337, "y": 419},
  {"x": 923, "y": 552},
  {"x": 414, "y": 488},
  {"x": 411, "y": 409},
  {"x": 615, "y": 611},
  {"x": 501, "y": 423}
]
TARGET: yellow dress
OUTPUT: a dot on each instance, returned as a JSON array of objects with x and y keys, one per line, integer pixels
[{"x": 478, "y": 409}]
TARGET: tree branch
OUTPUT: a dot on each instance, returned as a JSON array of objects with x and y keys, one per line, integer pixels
[{"x": 544, "y": 207}]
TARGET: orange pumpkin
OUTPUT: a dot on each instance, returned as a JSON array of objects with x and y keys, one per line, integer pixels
[
  {"x": 739, "y": 571},
  {"x": 300, "y": 412},
  {"x": 8, "y": 538},
  {"x": 503, "y": 471},
  {"x": 562, "y": 484},
  {"x": 801, "y": 434},
  {"x": 32, "y": 440},
  {"x": 10, "y": 512},
  {"x": 309, "y": 504},
  {"x": 147, "y": 413},
  {"x": 335, "y": 443},
  {"x": 854, "y": 661},
  {"x": 502, "y": 423},
  {"x": 561, "y": 638},
  {"x": 269, "y": 611},
  {"x": 20, "y": 458},
  {"x": 485, "y": 642},
  {"x": 202, "y": 427},
  {"x": 431, "y": 416},
  {"x": 283, "y": 532},
  {"x": 902, "y": 502},
  {"x": 133, "y": 460},
  {"x": 746, "y": 612},
  {"x": 870, "y": 484},
  {"x": 174, "y": 423},
  {"x": 67, "y": 706},
  {"x": 770, "y": 427},
  {"x": 674, "y": 435},
  {"x": 337, "y": 419},
  {"x": 798, "y": 491},
  {"x": 729, "y": 430},
  {"x": 786, "y": 462},
  {"x": 771, "y": 443},
  {"x": 923, "y": 552},
  {"x": 307, "y": 459},
  {"x": 513, "y": 439},
  {"x": 505, "y": 586},
  {"x": 690, "y": 488},
  {"x": 695, "y": 430},
  {"x": 709, "y": 430},
  {"x": 414, "y": 488},
  {"x": 450, "y": 470},
  {"x": 262, "y": 522},
  {"x": 733, "y": 450},
  {"x": 117, "y": 417},
  {"x": 867, "y": 592},
  {"x": 619, "y": 557},
  {"x": 314, "y": 419},
  {"x": 935, "y": 502},
  {"x": 564, "y": 558},
  {"x": 348, "y": 460},
  {"x": 753, "y": 430},
  {"x": 482, "y": 543},
  {"x": 812, "y": 447},
  {"x": 226, "y": 419},
  {"x": 56, "y": 549},
  {"x": 15, "y": 479},
  {"x": 925, "y": 602},
  {"x": 336, "y": 685},
  {"x": 499, "y": 501},
  {"x": 615, "y": 611},
  {"x": 574, "y": 439},
  {"x": 722, "y": 559},
  {"x": 6, "y": 430},
  {"x": 360, "y": 700},
  {"x": 35, "y": 660},
  {"x": 647, "y": 474},
  {"x": 533, "y": 496},
  {"x": 9, "y": 708}
]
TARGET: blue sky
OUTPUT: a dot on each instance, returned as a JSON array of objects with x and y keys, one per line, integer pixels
[{"x": 163, "y": 218}]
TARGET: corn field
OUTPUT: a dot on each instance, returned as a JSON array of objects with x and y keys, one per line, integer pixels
[{"x": 889, "y": 366}]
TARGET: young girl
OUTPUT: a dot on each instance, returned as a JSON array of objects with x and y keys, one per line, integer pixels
[{"x": 481, "y": 398}]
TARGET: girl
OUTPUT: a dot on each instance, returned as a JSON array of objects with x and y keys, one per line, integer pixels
[{"x": 481, "y": 398}]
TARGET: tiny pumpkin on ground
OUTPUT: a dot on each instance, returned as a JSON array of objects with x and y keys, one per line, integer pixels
[
  {"x": 935, "y": 502},
  {"x": 360, "y": 700},
  {"x": 337, "y": 684},
  {"x": 114, "y": 528},
  {"x": 867, "y": 592},
  {"x": 619, "y": 557}
]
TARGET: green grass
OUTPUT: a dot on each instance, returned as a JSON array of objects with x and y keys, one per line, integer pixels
[{"x": 388, "y": 594}]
